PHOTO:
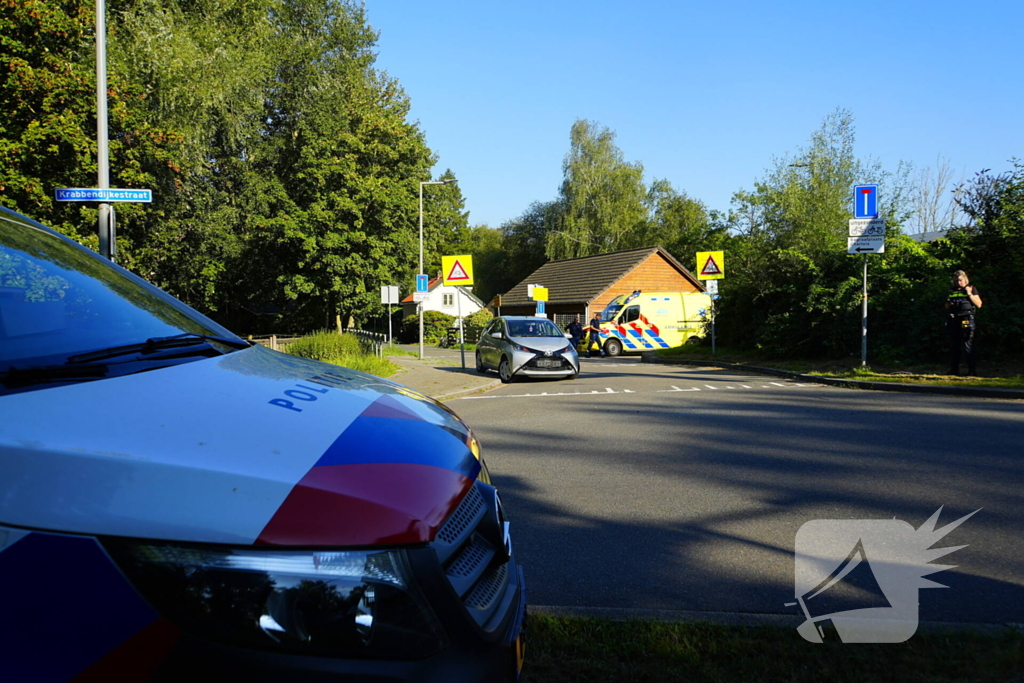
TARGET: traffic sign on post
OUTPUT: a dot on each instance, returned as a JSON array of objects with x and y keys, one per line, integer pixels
[
  {"x": 868, "y": 244},
  {"x": 867, "y": 226},
  {"x": 457, "y": 270},
  {"x": 421, "y": 283},
  {"x": 865, "y": 201},
  {"x": 539, "y": 294},
  {"x": 710, "y": 265}
]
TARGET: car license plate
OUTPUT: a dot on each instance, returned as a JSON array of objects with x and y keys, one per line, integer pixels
[{"x": 549, "y": 363}]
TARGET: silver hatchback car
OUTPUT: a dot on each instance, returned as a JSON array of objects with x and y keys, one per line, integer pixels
[{"x": 520, "y": 345}]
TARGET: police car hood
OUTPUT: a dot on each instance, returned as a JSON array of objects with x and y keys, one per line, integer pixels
[{"x": 254, "y": 447}]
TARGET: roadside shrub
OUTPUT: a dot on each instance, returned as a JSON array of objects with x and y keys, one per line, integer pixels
[
  {"x": 478, "y": 319},
  {"x": 435, "y": 325},
  {"x": 326, "y": 345}
]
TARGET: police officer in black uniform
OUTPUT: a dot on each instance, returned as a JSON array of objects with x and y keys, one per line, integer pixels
[{"x": 961, "y": 304}]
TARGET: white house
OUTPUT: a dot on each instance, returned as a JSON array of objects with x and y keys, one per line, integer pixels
[{"x": 446, "y": 299}]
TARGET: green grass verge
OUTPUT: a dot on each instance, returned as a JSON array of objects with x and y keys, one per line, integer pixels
[
  {"x": 568, "y": 650},
  {"x": 1006, "y": 375},
  {"x": 381, "y": 367},
  {"x": 398, "y": 351}
]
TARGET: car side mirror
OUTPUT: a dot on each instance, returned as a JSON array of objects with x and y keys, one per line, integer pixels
[
  {"x": 496, "y": 335},
  {"x": 568, "y": 336}
]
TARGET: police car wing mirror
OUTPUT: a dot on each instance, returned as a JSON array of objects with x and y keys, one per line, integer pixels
[{"x": 496, "y": 335}]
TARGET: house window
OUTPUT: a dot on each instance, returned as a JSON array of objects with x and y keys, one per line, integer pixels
[{"x": 448, "y": 301}]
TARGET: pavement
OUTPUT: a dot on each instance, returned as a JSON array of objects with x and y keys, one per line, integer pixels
[{"x": 440, "y": 375}]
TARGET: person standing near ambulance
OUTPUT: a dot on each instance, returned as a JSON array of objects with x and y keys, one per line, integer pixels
[
  {"x": 594, "y": 335},
  {"x": 961, "y": 304},
  {"x": 575, "y": 329}
]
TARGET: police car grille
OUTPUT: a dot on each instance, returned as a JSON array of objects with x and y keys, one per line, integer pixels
[
  {"x": 475, "y": 553},
  {"x": 463, "y": 516},
  {"x": 488, "y": 587}
]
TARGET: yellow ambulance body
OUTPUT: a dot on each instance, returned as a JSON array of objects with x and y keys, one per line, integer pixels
[{"x": 644, "y": 321}]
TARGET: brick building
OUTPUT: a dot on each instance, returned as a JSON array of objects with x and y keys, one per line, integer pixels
[{"x": 581, "y": 286}]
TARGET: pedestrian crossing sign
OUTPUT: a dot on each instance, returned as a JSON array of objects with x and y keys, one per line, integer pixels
[
  {"x": 710, "y": 265},
  {"x": 457, "y": 270}
]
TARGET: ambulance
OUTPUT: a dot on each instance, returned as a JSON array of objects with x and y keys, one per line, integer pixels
[
  {"x": 178, "y": 504},
  {"x": 641, "y": 321}
]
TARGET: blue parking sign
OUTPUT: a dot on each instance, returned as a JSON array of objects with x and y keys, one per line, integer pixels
[{"x": 865, "y": 201}]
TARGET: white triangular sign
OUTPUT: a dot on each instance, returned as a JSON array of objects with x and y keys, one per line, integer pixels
[
  {"x": 457, "y": 272},
  {"x": 711, "y": 268}
]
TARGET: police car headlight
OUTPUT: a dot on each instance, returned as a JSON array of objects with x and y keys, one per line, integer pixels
[{"x": 316, "y": 602}]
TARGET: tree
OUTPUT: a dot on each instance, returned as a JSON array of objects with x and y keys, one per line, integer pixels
[
  {"x": 488, "y": 262},
  {"x": 792, "y": 288},
  {"x": 48, "y": 130},
  {"x": 524, "y": 242},
  {"x": 933, "y": 209},
  {"x": 446, "y": 229},
  {"x": 681, "y": 225},
  {"x": 602, "y": 198},
  {"x": 990, "y": 247}
]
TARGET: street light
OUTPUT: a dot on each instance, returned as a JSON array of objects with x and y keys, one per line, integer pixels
[{"x": 419, "y": 308}]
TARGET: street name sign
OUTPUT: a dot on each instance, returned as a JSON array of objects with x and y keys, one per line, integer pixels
[
  {"x": 868, "y": 244},
  {"x": 859, "y": 227},
  {"x": 94, "y": 194},
  {"x": 420, "y": 296},
  {"x": 865, "y": 201}
]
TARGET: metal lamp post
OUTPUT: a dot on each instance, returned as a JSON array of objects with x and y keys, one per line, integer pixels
[{"x": 419, "y": 306}]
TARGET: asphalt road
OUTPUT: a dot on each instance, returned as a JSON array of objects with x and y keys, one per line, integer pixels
[{"x": 639, "y": 486}]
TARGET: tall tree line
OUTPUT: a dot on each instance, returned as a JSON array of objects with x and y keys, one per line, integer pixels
[{"x": 284, "y": 166}]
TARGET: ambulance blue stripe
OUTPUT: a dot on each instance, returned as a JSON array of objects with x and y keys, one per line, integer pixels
[
  {"x": 640, "y": 336},
  {"x": 625, "y": 340}
]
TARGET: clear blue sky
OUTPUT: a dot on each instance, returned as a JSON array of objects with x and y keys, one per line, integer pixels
[{"x": 703, "y": 94}]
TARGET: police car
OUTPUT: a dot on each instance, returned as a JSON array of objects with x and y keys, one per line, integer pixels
[{"x": 176, "y": 502}]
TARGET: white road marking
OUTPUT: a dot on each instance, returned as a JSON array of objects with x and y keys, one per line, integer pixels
[{"x": 608, "y": 391}]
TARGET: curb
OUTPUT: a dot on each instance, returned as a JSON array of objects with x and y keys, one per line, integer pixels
[
  {"x": 472, "y": 390},
  {"x": 977, "y": 392}
]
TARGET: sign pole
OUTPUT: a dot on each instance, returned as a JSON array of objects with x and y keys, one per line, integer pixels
[
  {"x": 864, "y": 318},
  {"x": 713, "y": 304},
  {"x": 105, "y": 219},
  {"x": 462, "y": 337}
]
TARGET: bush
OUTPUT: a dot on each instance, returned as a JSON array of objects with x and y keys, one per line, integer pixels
[
  {"x": 478, "y": 319},
  {"x": 435, "y": 326},
  {"x": 326, "y": 345}
]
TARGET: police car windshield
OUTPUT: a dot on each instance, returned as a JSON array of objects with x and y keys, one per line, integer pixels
[
  {"x": 533, "y": 328},
  {"x": 58, "y": 300},
  {"x": 611, "y": 313}
]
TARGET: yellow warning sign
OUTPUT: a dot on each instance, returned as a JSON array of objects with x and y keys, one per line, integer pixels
[
  {"x": 457, "y": 270},
  {"x": 710, "y": 265},
  {"x": 540, "y": 293}
]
